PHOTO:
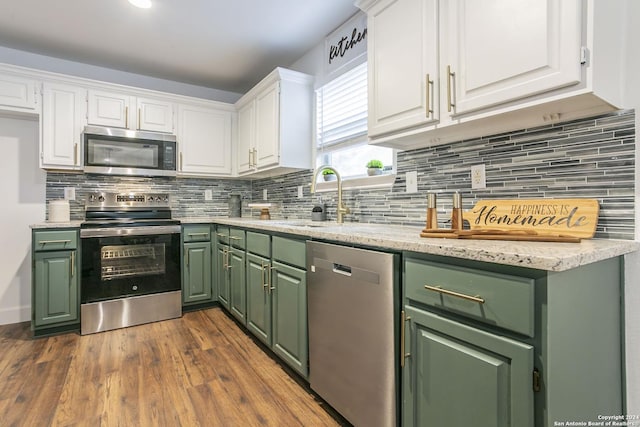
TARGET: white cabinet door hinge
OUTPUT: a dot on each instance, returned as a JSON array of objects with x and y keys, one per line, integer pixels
[{"x": 584, "y": 56}]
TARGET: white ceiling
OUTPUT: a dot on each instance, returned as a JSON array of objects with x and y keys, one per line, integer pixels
[{"x": 223, "y": 44}]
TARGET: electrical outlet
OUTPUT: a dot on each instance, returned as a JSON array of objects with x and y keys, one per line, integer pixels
[
  {"x": 300, "y": 193},
  {"x": 478, "y": 177},
  {"x": 412, "y": 182},
  {"x": 208, "y": 194},
  {"x": 69, "y": 193},
  {"x": 264, "y": 194}
]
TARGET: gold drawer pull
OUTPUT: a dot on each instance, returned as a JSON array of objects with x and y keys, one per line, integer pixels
[
  {"x": 47, "y": 242},
  {"x": 198, "y": 234},
  {"x": 235, "y": 238},
  {"x": 476, "y": 298}
]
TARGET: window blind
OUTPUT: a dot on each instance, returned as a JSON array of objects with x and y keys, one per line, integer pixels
[{"x": 342, "y": 110}]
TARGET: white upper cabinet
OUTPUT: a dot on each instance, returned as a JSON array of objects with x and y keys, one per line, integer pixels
[
  {"x": 403, "y": 64},
  {"x": 18, "y": 93},
  {"x": 275, "y": 125},
  {"x": 63, "y": 119},
  {"x": 246, "y": 137},
  {"x": 108, "y": 109},
  {"x": 154, "y": 115},
  {"x": 442, "y": 71},
  {"x": 123, "y": 110},
  {"x": 504, "y": 50},
  {"x": 204, "y": 140}
]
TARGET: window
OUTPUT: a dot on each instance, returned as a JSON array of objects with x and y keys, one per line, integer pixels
[{"x": 341, "y": 107}]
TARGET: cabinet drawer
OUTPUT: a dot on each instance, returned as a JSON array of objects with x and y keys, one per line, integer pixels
[
  {"x": 259, "y": 244},
  {"x": 196, "y": 233},
  {"x": 237, "y": 238},
  {"x": 498, "y": 299},
  {"x": 52, "y": 240},
  {"x": 289, "y": 251}
]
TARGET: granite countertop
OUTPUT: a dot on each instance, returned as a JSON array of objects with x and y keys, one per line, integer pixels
[
  {"x": 540, "y": 255},
  {"x": 45, "y": 224}
]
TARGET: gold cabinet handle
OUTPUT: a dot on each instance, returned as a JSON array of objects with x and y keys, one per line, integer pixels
[
  {"x": 73, "y": 263},
  {"x": 198, "y": 234},
  {"x": 476, "y": 298},
  {"x": 75, "y": 154},
  {"x": 450, "y": 77},
  {"x": 428, "y": 92},
  {"x": 139, "y": 118},
  {"x": 265, "y": 284},
  {"x": 186, "y": 258},
  {"x": 181, "y": 160},
  {"x": 254, "y": 151},
  {"x": 225, "y": 259},
  {"x": 270, "y": 278},
  {"x": 250, "y": 164},
  {"x": 126, "y": 117},
  {"x": 403, "y": 355},
  {"x": 47, "y": 242}
]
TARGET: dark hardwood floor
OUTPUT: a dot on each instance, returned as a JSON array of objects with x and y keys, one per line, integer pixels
[{"x": 199, "y": 370}]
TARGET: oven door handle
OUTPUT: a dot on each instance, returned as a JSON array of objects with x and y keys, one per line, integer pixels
[{"x": 129, "y": 231}]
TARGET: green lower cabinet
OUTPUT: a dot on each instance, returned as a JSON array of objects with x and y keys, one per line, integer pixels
[
  {"x": 456, "y": 375},
  {"x": 258, "y": 297},
  {"x": 289, "y": 315},
  {"x": 237, "y": 285},
  {"x": 55, "y": 296},
  {"x": 222, "y": 274},
  {"x": 277, "y": 297},
  {"x": 196, "y": 280}
]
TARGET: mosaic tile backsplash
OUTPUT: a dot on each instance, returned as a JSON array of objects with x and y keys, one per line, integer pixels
[{"x": 586, "y": 158}]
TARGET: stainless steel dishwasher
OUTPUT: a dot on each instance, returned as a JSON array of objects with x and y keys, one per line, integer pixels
[{"x": 352, "y": 295}]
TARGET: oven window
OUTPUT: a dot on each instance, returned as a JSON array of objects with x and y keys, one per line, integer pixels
[{"x": 123, "y": 261}]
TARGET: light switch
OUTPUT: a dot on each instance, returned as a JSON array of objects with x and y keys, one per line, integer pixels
[
  {"x": 300, "y": 193},
  {"x": 264, "y": 194},
  {"x": 208, "y": 195}
]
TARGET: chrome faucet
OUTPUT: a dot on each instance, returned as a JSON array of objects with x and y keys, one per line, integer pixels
[{"x": 341, "y": 210}]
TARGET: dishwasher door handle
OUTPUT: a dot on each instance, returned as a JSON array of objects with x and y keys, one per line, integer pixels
[{"x": 342, "y": 269}]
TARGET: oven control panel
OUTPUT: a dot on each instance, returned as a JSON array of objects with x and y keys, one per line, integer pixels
[{"x": 116, "y": 200}]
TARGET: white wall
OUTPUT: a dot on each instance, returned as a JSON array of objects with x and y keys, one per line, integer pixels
[
  {"x": 23, "y": 202},
  {"x": 77, "y": 69}
]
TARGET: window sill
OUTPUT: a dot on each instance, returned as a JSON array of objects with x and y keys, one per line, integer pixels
[{"x": 365, "y": 182}]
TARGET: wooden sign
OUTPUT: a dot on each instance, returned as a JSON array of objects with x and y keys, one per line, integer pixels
[{"x": 561, "y": 217}]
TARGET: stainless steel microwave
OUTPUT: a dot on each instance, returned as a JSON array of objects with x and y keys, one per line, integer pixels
[{"x": 114, "y": 151}]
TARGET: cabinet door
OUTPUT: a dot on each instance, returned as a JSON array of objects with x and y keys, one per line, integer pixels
[
  {"x": 502, "y": 51},
  {"x": 63, "y": 119},
  {"x": 289, "y": 316},
  {"x": 205, "y": 140},
  {"x": 246, "y": 137},
  {"x": 55, "y": 287},
  {"x": 18, "y": 92},
  {"x": 403, "y": 64},
  {"x": 268, "y": 126},
  {"x": 154, "y": 115},
  {"x": 258, "y": 297},
  {"x": 457, "y": 375},
  {"x": 108, "y": 109},
  {"x": 237, "y": 285},
  {"x": 222, "y": 274},
  {"x": 196, "y": 282}
]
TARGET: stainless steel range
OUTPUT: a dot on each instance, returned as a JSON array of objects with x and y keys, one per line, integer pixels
[{"x": 130, "y": 251}]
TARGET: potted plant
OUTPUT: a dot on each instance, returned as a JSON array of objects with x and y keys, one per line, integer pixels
[
  {"x": 328, "y": 175},
  {"x": 374, "y": 167}
]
